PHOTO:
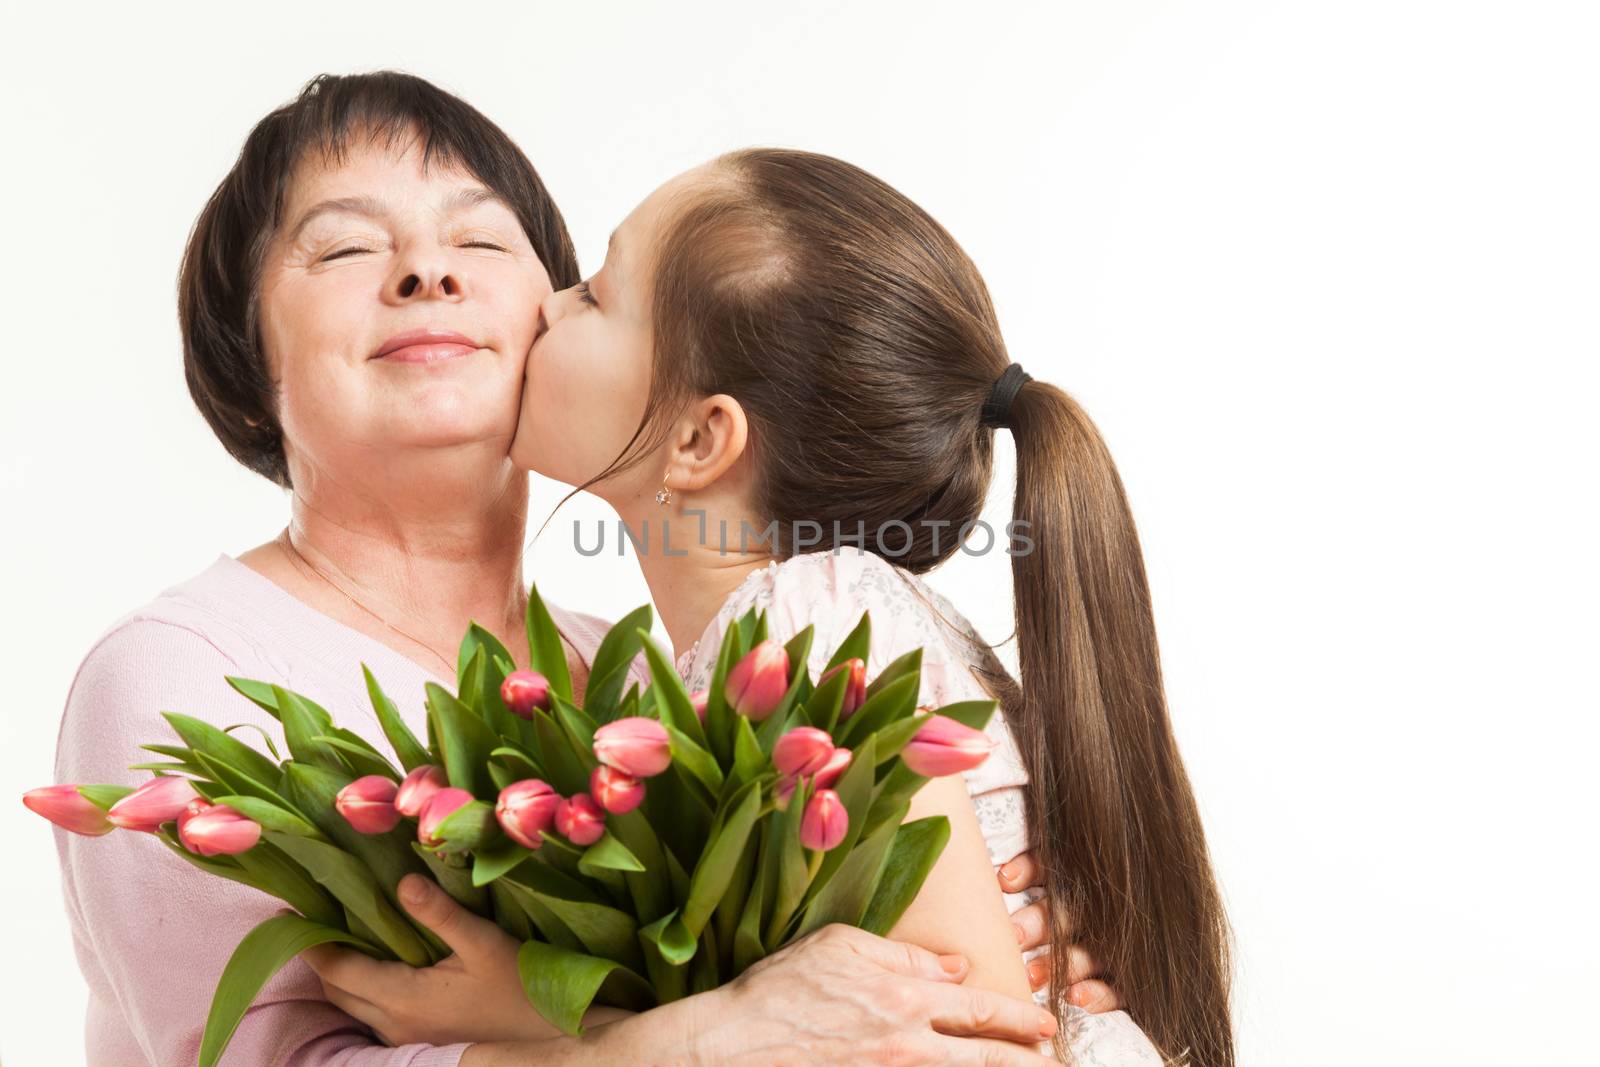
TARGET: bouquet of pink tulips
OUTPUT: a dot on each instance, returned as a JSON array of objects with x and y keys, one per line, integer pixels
[{"x": 643, "y": 846}]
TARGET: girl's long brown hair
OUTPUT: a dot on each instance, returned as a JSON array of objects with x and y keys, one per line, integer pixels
[{"x": 862, "y": 343}]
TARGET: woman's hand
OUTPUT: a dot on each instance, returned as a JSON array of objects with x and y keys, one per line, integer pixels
[
  {"x": 839, "y": 996},
  {"x": 473, "y": 995},
  {"x": 844, "y": 996},
  {"x": 1088, "y": 988}
]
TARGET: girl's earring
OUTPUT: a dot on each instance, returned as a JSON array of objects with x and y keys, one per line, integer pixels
[{"x": 664, "y": 494}]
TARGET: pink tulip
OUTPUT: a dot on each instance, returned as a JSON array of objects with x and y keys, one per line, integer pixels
[
  {"x": 943, "y": 746},
  {"x": 160, "y": 800},
  {"x": 525, "y": 690},
  {"x": 418, "y": 788},
  {"x": 614, "y": 791},
  {"x": 836, "y": 765},
  {"x": 805, "y": 750},
  {"x": 367, "y": 804},
  {"x": 525, "y": 811},
  {"x": 757, "y": 683},
  {"x": 580, "y": 820},
  {"x": 636, "y": 746},
  {"x": 698, "y": 698},
  {"x": 824, "y": 822},
  {"x": 195, "y": 807},
  {"x": 68, "y": 809},
  {"x": 218, "y": 830},
  {"x": 440, "y": 807},
  {"x": 855, "y": 690},
  {"x": 783, "y": 791}
]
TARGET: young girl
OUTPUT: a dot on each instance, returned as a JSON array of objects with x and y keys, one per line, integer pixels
[{"x": 789, "y": 378}]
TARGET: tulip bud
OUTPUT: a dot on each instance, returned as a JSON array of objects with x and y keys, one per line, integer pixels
[
  {"x": 525, "y": 811},
  {"x": 218, "y": 830},
  {"x": 195, "y": 807},
  {"x": 68, "y": 809},
  {"x": 824, "y": 822},
  {"x": 418, "y": 788},
  {"x": 614, "y": 791},
  {"x": 367, "y": 804},
  {"x": 757, "y": 683},
  {"x": 836, "y": 765},
  {"x": 525, "y": 690},
  {"x": 802, "y": 751},
  {"x": 158, "y": 801},
  {"x": 440, "y": 807},
  {"x": 698, "y": 698},
  {"x": 580, "y": 820},
  {"x": 855, "y": 690},
  {"x": 636, "y": 746},
  {"x": 943, "y": 746}
]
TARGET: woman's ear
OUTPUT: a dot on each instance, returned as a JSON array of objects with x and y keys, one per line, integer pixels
[{"x": 711, "y": 437}]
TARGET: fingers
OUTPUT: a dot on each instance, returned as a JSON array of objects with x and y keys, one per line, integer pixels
[
  {"x": 959, "y": 1011},
  {"x": 1081, "y": 966},
  {"x": 466, "y": 934},
  {"x": 358, "y": 1008},
  {"x": 911, "y": 960},
  {"x": 1094, "y": 996},
  {"x": 1032, "y": 925},
  {"x": 984, "y": 1052},
  {"x": 1020, "y": 873},
  {"x": 352, "y": 972}
]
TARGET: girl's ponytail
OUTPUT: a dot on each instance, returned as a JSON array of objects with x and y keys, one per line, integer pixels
[{"x": 1114, "y": 818}]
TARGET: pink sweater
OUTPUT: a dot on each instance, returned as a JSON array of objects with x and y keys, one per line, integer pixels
[{"x": 151, "y": 932}]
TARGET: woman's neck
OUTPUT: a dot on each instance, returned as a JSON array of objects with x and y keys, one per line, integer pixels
[{"x": 409, "y": 564}]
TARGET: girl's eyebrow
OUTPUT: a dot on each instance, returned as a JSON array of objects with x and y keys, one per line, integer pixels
[{"x": 373, "y": 208}]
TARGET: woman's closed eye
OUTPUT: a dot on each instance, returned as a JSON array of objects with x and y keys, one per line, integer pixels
[
  {"x": 586, "y": 296},
  {"x": 360, "y": 250}
]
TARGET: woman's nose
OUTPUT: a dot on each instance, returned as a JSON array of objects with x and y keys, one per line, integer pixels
[{"x": 421, "y": 276}]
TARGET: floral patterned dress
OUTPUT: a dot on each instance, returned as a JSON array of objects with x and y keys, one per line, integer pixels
[{"x": 830, "y": 590}]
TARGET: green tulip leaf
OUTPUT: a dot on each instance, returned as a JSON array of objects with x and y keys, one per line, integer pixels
[
  {"x": 608, "y": 854},
  {"x": 261, "y": 954},
  {"x": 561, "y": 984},
  {"x": 465, "y": 741},
  {"x": 546, "y": 653},
  {"x": 406, "y": 747},
  {"x": 846, "y": 896},
  {"x": 608, "y": 670},
  {"x": 203, "y": 737},
  {"x": 916, "y": 849},
  {"x": 349, "y": 880},
  {"x": 674, "y": 708}
]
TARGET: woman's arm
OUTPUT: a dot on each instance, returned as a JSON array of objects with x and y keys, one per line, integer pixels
[{"x": 152, "y": 933}]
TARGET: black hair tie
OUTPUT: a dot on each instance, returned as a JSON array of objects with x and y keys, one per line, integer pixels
[{"x": 997, "y": 409}]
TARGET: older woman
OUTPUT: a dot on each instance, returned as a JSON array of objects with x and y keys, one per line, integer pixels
[{"x": 357, "y": 302}]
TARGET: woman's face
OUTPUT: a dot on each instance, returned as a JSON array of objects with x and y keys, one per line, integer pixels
[
  {"x": 588, "y": 375},
  {"x": 397, "y": 309}
]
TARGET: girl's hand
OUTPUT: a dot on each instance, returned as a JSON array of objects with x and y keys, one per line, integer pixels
[
  {"x": 1088, "y": 989},
  {"x": 473, "y": 995}
]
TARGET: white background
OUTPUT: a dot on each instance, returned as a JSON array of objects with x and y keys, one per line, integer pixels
[{"x": 1325, "y": 274}]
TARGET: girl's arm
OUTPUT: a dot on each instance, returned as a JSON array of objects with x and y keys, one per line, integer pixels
[{"x": 960, "y": 908}]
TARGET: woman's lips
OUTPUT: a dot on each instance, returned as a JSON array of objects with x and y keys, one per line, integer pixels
[
  {"x": 426, "y": 353},
  {"x": 425, "y": 346}
]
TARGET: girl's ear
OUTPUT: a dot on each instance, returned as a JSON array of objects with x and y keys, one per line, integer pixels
[{"x": 711, "y": 437}]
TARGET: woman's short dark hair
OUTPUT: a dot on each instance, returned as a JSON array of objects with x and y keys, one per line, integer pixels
[{"x": 219, "y": 281}]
